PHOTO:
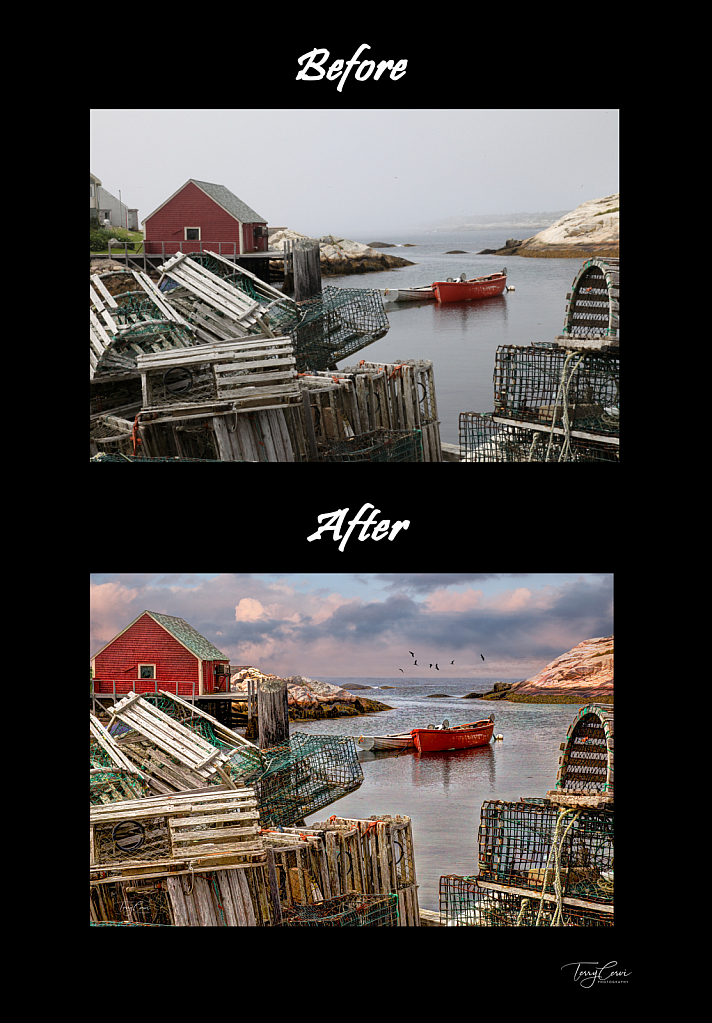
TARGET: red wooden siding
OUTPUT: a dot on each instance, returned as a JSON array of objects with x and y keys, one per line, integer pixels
[
  {"x": 146, "y": 642},
  {"x": 191, "y": 207}
]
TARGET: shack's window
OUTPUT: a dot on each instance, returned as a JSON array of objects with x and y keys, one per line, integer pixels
[
  {"x": 192, "y": 234},
  {"x": 147, "y": 671}
]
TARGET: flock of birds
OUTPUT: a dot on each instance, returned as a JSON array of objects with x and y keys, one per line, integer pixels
[{"x": 422, "y": 665}]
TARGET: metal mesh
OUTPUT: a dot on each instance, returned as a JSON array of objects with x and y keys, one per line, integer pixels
[
  {"x": 463, "y": 903},
  {"x": 306, "y": 774},
  {"x": 515, "y": 842},
  {"x": 376, "y": 446},
  {"x": 555, "y": 387},
  {"x": 484, "y": 440},
  {"x": 355, "y": 910},
  {"x": 337, "y": 323}
]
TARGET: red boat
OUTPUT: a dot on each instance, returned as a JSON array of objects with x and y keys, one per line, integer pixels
[
  {"x": 477, "y": 733},
  {"x": 478, "y": 287}
]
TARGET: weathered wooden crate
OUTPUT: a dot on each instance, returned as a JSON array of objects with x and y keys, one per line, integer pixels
[
  {"x": 195, "y": 897},
  {"x": 201, "y": 829},
  {"x": 135, "y": 322},
  {"x": 215, "y": 432},
  {"x": 343, "y": 855},
  {"x": 174, "y": 757},
  {"x": 373, "y": 396},
  {"x": 247, "y": 373}
]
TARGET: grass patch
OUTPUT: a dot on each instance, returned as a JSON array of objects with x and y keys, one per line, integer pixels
[{"x": 99, "y": 240}]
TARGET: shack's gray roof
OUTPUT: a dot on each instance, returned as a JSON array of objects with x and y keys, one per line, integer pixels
[{"x": 224, "y": 198}]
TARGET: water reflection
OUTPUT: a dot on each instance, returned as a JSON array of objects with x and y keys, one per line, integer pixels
[{"x": 443, "y": 792}]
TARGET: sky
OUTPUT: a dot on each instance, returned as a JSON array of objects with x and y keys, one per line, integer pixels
[
  {"x": 365, "y": 625},
  {"x": 357, "y": 172}
]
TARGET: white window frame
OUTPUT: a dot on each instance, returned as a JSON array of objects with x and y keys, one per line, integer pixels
[
  {"x": 185, "y": 234},
  {"x": 142, "y": 677}
]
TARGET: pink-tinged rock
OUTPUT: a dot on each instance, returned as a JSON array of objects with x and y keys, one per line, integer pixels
[{"x": 586, "y": 670}]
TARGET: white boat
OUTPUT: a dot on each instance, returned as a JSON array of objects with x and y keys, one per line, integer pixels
[
  {"x": 400, "y": 740},
  {"x": 408, "y": 294}
]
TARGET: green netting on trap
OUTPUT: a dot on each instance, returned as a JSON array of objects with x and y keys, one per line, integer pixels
[
  {"x": 143, "y": 338},
  {"x": 337, "y": 323},
  {"x": 484, "y": 440},
  {"x": 463, "y": 903},
  {"x": 376, "y": 446},
  {"x": 534, "y": 844},
  {"x": 114, "y": 785},
  {"x": 353, "y": 910},
  {"x": 109, "y": 783},
  {"x": 304, "y": 775}
]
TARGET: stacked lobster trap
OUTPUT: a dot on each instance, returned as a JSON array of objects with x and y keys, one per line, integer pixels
[
  {"x": 560, "y": 400},
  {"x": 375, "y": 412},
  {"x": 305, "y": 775},
  {"x": 547, "y": 861},
  {"x": 216, "y": 365},
  {"x": 332, "y": 868}
]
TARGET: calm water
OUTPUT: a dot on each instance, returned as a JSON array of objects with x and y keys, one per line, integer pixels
[
  {"x": 443, "y": 792},
  {"x": 461, "y": 338}
]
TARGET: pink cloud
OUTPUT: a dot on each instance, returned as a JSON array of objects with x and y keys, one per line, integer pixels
[
  {"x": 112, "y": 609},
  {"x": 448, "y": 600}
]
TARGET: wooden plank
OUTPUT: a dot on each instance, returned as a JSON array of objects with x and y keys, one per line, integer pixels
[
  {"x": 529, "y": 893},
  {"x": 95, "y": 282},
  {"x": 603, "y": 438}
]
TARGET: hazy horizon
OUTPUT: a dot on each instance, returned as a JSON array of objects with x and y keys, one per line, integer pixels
[{"x": 351, "y": 172}]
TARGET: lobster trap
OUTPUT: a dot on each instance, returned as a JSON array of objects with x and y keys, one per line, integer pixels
[
  {"x": 372, "y": 397},
  {"x": 335, "y": 323},
  {"x": 535, "y": 846},
  {"x": 304, "y": 775},
  {"x": 585, "y": 775},
  {"x": 354, "y": 910},
  {"x": 484, "y": 439},
  {"x": 130, "y": 323},
  {"x": 573, "y": 393},
  {"x": 464, "y": 903},
  {"x": 342, "y": 856},
  {"x": 592, "y": 312},
  {"x": 181, "y": 896},
  {"x": 202, "y": 828}
]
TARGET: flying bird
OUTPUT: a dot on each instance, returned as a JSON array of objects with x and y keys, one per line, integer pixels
[
  {"x": 452, "y": 662},
  {"x": 415, "y": 662},
  {"x": 400, "y": 669},
  {"x": 411, "y": 653},
  {"x": 437, "y": 667},
  {"x": 431, "y": 665},
  {"x": 482, "y": 656}
]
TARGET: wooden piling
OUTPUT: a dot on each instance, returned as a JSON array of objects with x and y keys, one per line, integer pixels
[
  {"x": 272, "y": 713},
  {"x": 307, "y": 269}
]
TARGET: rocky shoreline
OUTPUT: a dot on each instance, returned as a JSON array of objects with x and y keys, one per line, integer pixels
[
  {"x": 341, "y": 256},
  {"x": 307, "y": 698},
  {"x": 589, "y": 230}
]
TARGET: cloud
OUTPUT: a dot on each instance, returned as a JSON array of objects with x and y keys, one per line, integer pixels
[
  {"x": 442, "y": 600},
  {"x": 298, "y": 624},
  {"x": 249, "y": 610}
]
